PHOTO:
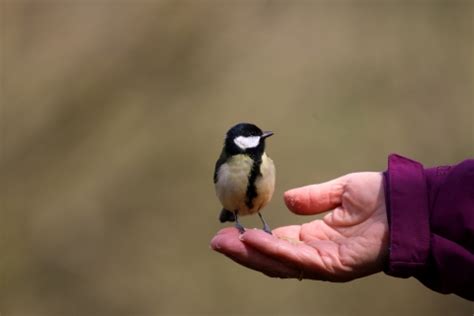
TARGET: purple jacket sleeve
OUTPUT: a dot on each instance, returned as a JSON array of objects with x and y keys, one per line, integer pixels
[{"x": 431, "y": 219}]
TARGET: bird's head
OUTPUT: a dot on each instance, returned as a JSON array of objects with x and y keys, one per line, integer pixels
[{"x": 245, "y": 138}]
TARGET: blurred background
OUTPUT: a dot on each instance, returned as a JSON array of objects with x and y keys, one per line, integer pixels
[{"x": 113, "y": 114}]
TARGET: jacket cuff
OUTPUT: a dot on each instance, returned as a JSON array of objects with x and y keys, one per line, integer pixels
[{"x": 408, "y": 216}]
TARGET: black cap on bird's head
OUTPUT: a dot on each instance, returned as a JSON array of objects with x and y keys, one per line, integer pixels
[{"x": 245, "y": 138}]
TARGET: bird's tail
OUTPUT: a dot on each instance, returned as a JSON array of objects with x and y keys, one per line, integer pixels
[{"x": 226, "y": 216}]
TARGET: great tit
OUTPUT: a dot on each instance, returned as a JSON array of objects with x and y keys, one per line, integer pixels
[{"x": 244, "y": 176}]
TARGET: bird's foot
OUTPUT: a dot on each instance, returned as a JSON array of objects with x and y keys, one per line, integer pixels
[
  {"x": 240, "y": 227},
  {"x": 267, "y": 229}
]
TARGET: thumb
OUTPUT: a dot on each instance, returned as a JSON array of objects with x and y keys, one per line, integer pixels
[{"x": 315, "y": 198}]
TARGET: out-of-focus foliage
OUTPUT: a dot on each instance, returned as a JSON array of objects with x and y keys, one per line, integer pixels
[{"x": 113, "y": 113}]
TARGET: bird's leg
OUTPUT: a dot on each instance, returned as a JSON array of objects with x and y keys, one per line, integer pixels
[
  {"x": 266, "y": 228},
  {"x": 237, "y": 223}
]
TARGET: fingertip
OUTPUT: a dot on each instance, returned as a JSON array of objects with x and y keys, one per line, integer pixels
[
  {"x": 297, "y": 200},
  {"x": 255, "y": 234},
  {"x": 289, "y": 198},
  {"x": 215, "y": 243},
  {"x": 223, "y": 236},
  {"x": 287, "y": 195},
  {"x": 315, "y": 198}
]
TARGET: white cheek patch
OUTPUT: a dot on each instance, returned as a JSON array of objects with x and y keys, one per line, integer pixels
[{"x": 247, "y": 142}]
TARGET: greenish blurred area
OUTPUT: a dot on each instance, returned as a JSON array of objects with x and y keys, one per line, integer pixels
[{"x": 113, "y": 114}]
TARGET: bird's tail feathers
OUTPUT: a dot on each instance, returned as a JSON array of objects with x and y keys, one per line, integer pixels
[{"x": 226, "y": 216}]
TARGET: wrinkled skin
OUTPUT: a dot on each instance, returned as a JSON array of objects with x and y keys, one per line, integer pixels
[{"x": 351, "y": 241}]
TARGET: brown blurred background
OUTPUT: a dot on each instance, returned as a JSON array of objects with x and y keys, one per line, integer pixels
[{"x": 113, "y": 113}]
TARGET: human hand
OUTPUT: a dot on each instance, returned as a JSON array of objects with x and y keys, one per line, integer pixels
[{"x": 350, "y": 242}]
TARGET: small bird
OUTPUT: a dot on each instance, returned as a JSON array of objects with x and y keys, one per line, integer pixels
[{"x": 244, "y": 176}]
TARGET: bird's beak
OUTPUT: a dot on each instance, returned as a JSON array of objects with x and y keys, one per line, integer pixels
[{"x": 267, "y": 134}]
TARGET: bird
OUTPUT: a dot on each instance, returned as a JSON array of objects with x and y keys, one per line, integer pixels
[{"x": 244, "y": 176}]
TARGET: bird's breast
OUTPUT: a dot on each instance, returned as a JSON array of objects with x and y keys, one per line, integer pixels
[{"x": 233, "y": 179}]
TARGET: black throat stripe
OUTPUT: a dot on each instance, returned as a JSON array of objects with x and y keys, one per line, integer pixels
[{"x": 251, "y": 188}]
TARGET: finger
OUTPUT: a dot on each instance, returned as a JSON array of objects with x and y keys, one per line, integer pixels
[
  {"x": 299, "y": 256},
  {"x": 228, "y": 243},
  {"x": 316, "y": 198},
  {"x": 227, "y": 230},
  {"x": 290, "y": 233}
]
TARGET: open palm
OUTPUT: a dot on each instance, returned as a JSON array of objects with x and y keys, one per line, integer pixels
[{"x": 351, "y": 241}]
